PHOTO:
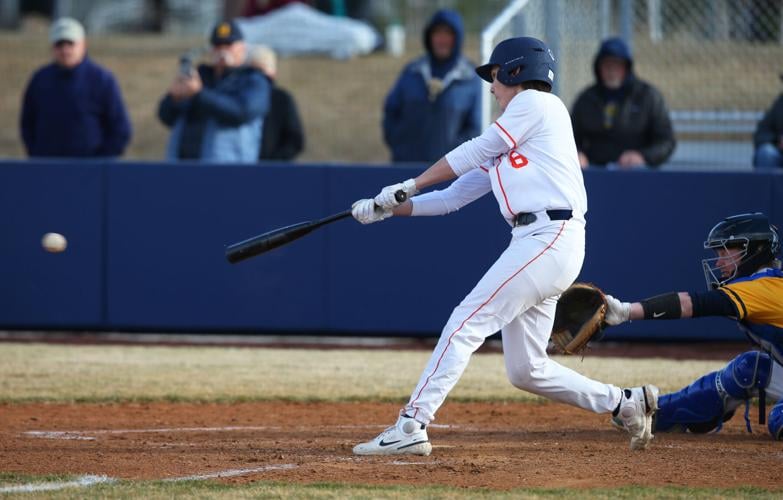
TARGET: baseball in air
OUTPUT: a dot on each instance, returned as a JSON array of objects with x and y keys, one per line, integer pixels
[{"x": 54, "y": 242}]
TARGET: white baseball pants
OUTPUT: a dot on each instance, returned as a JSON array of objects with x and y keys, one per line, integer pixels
[{"x": 517, "y": 295}]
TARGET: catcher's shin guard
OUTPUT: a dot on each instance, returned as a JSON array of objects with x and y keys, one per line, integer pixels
[
  {"x": 711, "y": 400},
  {"x": 776, "y": 421}
]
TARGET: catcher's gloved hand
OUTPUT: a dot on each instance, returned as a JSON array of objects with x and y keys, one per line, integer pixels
[
  {"x": 617, "y": 312},
  {"x": 579, "y": 317},
  {"x": 367, "y": 212}
]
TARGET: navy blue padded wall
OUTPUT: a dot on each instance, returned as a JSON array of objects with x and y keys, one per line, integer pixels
[
  {"x": 169, "y": 226},
  {"x": 405, "y": 275},
  {"x": 147, "y": 247},
  {"x": 777, "y": 200},
  {"x": 40, "y": 289}
]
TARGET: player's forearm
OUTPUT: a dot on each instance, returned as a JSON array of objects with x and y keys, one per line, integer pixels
[
  {"x": 667, "y": 306},
  {"x": 404, "y": 209},
  {"x": 439, "y": 172}
]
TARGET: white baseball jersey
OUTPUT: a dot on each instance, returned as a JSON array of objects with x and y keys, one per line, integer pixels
[{"x": 536, "y": 166}]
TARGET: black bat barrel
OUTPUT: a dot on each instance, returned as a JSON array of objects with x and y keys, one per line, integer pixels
[
  {"x": 279, "y": 237},
  {"x": 267, "y": 241}
]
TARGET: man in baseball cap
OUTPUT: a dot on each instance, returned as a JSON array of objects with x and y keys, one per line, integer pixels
[
  {"x": 68, "y": 44},
  {"x": 73, "y": 107},
  {"x": 228, "y": 46},
  {"x": 216, "y": 111}
]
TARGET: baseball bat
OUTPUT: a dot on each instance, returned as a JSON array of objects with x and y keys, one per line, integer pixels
[{"x": 256, "y": 245}]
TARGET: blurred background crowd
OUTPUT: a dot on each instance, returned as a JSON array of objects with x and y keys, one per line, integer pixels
[{"x": 672, "y": 84}]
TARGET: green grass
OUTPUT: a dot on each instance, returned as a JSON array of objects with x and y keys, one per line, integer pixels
[
  {"x": 87, "y": 373},
  {"x": 214, "y": 489}
]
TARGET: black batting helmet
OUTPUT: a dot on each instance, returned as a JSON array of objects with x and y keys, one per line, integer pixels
[
  {"x": 530, "y": 55},
  {"x": 757, "y": 239}
]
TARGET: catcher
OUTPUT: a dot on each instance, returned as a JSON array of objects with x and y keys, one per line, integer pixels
[{"x": 745, "y": 283}]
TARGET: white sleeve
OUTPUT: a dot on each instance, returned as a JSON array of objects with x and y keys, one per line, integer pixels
[
  {"x": 522, "y": 117},
  {"x": 469, "y": 187},
  {"x": 471, "y": 154}
]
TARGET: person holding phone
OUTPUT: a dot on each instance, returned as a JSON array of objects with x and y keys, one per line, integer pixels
[{"x": 216, "y": 111}]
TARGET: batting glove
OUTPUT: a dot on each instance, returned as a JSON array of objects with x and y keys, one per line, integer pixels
[
  {"x": 617, "y": 312},
  {"x": 367, "y": 212},
  {"x": 387, "y": 197}
]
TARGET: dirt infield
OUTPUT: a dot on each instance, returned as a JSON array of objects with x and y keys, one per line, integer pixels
[{"x": 475, "y": 445}]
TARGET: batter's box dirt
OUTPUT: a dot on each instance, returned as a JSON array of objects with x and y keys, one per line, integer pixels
[{"x": 484, "y": 445}]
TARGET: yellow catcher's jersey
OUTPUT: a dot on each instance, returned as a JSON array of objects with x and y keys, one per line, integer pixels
[{"x": 759, "y": 302}]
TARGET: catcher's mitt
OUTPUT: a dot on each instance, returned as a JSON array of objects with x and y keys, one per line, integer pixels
[{"x": 579, "y": 317}]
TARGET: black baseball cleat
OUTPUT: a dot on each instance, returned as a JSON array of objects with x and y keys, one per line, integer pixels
[{"x": 406, "y": 437}]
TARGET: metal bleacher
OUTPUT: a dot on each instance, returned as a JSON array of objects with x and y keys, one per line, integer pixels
[{"x": 713, "y": 140}]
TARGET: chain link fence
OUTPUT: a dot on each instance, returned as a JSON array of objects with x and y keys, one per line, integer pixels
[{"x": 717, "y": 62}]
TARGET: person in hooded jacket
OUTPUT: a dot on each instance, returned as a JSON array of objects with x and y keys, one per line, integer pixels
[
  {"x": 768, "y": 137},
  {"x": 621, "y": 121},
  {"x": 434, "y": 105}
]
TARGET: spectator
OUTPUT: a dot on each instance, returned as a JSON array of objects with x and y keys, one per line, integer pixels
[
  {"x": 282, "y": 137},
  {"x": 768, "y": 138},
  {"x": 216, "y": 113},
  {"x": 621, "y": 121},
  {"x": 73, "y": 107},
  {"x": 434, "y": 106}
]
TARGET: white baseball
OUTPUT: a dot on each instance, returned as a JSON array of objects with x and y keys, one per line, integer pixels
[{"x": 54, "y": 242}]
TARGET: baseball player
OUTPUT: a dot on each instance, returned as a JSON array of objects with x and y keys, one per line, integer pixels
[
  {"x": 528, "y": 159},
  {"x": 745, "y": 283}
]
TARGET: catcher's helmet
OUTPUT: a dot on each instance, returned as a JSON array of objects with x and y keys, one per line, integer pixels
[
  {"x": 530, "y": 55},
  {"x": 757, "y": 239}
]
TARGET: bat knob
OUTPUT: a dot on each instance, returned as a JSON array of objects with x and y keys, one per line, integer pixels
[{"x": 400, "y": 196}]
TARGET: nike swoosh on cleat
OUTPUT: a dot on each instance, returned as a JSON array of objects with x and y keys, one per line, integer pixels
[
  {"x": 412, "y": 444},
  {"x": 384, "y": 443}
]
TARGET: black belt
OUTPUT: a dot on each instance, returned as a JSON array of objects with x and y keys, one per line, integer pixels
[{"x": 525, "y": 218}]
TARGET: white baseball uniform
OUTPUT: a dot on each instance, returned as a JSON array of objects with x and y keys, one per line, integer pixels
[{"x": 528, "y": 159}]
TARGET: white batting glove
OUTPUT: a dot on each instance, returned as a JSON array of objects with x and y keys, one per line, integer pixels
[
  {"x": 386, "y": 198},
  {"x": 367, "y": 212},
  {"x": 617, "y": 312}
]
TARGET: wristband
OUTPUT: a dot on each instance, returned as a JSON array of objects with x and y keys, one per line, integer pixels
[{"x": 665, "y": 306}]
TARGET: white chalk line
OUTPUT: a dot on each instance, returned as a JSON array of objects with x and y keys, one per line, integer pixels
[
  {"x": 82, "y": 482},
  {"x": 232, "y": 473},
  {"x": 89, "y": 435},
  {"x": 92, "y": 480}
]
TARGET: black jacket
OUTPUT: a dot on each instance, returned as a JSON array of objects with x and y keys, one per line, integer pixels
[
  {"x": 642, "y": 123},
  {"x": 640, "y": 120},
  {"x": 283, "y": 136},
  {"x": 770, "y": 128}
]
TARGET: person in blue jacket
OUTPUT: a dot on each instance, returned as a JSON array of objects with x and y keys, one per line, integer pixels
[
  {"x": 434, "y": 105},
  {"x": 73, "y": 107},
  {"x": 216, "y": 113}
]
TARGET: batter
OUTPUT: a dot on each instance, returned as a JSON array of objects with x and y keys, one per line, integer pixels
[{"x": 528, "y": 159}]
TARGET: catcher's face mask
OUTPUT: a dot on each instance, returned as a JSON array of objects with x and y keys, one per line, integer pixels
[{"x": 721, "y": 269}]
